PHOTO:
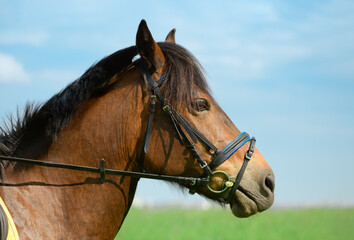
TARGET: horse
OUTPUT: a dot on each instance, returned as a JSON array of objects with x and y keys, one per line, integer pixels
[{"x": 150, "y": 116}]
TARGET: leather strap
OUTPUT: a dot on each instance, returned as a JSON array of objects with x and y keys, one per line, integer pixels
[
  {"x": 223, "y": 154},
  {"x": 153, "y": 86},
  {"x": 192, "y": 181},
  {"x": 197, "y": 133},
  {"x": 237, "y": 182},
  {"x": 176, "y": 127},
  {"x": 149, "y": 124}
]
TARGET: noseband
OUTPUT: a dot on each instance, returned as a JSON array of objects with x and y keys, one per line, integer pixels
[{"x": 183, "y": 128}]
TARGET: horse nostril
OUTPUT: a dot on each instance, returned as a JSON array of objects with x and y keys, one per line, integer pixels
[{"x": 269, "y": 182}]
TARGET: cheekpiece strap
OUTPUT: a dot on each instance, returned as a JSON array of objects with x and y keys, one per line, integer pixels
[{"x": 247, "y": 158}]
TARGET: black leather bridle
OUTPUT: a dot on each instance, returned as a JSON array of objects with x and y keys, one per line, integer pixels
[{"x": 182, "y": 128}]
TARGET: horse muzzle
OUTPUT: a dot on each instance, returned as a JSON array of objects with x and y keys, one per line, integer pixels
[{"x": 254, "y": 196}]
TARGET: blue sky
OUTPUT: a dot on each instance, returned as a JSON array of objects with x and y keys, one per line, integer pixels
[{"x": 282, "y": 70}]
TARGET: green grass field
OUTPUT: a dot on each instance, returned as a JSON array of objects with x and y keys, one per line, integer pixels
[{"x": 219, "y": 224}]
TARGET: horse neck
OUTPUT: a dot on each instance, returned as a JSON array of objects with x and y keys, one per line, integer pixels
[{"x": 107, "y": 127}]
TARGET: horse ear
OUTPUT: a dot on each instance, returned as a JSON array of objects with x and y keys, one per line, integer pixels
[
  {"x": 148, "y": 49},
  {"x": 171, "y": 36}
]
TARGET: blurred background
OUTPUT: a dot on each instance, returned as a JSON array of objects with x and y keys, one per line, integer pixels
[{"x": 282, "y": 70}]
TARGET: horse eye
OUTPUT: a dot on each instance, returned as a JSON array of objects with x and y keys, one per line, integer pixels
[{"x": 201, "y": 104}]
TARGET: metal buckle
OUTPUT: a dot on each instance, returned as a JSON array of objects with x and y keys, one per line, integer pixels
[
  {"x": 193, "y": 182},
  {"x": 248, "y": 155},
  {"x": 203, "y": 164},
  {"x": 166, "y": 107}
]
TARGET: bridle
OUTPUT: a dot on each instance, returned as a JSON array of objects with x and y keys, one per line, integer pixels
[{"x": 182, "y": 128}]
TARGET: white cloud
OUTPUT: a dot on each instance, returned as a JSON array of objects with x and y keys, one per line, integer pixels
[{"x": 11, "y": 70}]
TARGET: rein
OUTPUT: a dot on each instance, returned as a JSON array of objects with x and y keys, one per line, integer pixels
[
  {"x": 103, "y": 171},
  {"x": 182, "y": 128}
]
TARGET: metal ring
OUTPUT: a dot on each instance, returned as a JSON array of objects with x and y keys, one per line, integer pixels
[{"x": 227, "y": 180}]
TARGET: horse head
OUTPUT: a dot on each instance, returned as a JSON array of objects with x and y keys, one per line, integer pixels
[{"x": 185, "y": 90}]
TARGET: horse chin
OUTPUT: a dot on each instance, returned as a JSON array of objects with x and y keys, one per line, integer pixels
[{"x": 243, "y": 206}]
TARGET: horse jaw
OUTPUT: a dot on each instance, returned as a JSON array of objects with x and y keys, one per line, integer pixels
[{"x": 243, "y": 206}]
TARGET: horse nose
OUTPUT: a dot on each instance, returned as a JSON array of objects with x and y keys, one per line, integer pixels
[{"x": 268, "y": 184}]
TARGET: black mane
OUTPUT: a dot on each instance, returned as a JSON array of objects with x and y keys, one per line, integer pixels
[{"x": 31, "y": 135}]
